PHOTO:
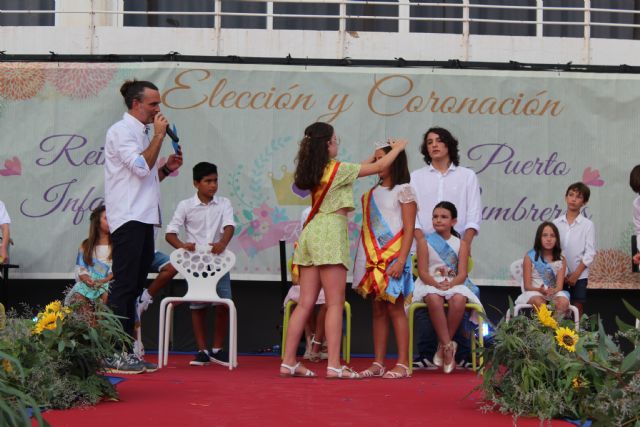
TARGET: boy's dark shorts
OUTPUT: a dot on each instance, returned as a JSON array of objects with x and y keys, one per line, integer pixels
[{"x": 579, "y": 291}]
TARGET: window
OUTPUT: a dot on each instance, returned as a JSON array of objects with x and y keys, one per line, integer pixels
[
  {"x": 255, "y": 22},
  {"x": 384, "y": 25},
  {"x": 454, "y": 27},
  {"x": 27, "y": 19},
  {"x": 319, "y": 24},
  {"x": 169, "y": 19},
  {"x": 506, "y": 29}
]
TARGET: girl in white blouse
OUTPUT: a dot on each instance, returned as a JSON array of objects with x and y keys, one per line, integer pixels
[{"x": 382, "y": 267}]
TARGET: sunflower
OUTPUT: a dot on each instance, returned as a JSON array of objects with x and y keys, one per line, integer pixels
[
  {"x": 53, "y": 306},
  {"x": 567, "y": 338},
  {"x": 47, "y": 321},
  {"x": 545, "y": 317},
  {"x": 6, "y": 365},
  {"x": 579, "y": 382}
]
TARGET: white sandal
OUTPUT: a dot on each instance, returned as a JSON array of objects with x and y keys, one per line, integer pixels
[
  {"x": 314, "y": 356},
  {"x": 393, "y": 375},
  {"x": 368, "y": 373},
  {"x": 293, "y": 371},
  {"x": 342, "y": 373}
]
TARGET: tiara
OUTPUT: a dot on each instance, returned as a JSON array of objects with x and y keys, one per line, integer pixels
[{"x": 381, "y": 144}]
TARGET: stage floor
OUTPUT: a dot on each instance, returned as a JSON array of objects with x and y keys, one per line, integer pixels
[{"x": 254, "y": 395}]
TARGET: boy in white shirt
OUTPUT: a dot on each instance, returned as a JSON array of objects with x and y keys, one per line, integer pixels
[
  {"x": 207, "y": 219},
  {"x": 578, "y": 241}
]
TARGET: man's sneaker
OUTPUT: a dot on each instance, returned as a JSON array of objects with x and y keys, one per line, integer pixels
[
  {"x": 141, "y": 306},
  {"x": 422, "y": 363},
  {"x": 123, "y": 364},
  {"x": 201, "y": 359},
  {"x": 148, "y": 366},
  {"x": 220, "y": 357}
]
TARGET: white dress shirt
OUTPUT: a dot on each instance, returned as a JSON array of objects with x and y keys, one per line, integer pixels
[
  {"x": 4, "y": 215},
  {"x": 458, "y": 185},
  {"x": 131, "y": 188},
  {"x": 578, "y": 242},
  {"x": 203, "y": 223}
]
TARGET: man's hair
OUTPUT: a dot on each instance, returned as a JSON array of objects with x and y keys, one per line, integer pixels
[
  {"x": 634, "y": 179},
  {"x": 449, "y": 140},
  {"x": 580, "y": 188},
  {"x": 203, "y": 169},
  {"x": 134, "y": 89}
]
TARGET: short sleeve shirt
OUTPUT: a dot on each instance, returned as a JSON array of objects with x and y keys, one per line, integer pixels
[
  {"x": 340, "y": 194},
  {"x": 4, "y": 215}
]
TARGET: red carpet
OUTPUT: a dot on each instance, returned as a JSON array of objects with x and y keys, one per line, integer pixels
[{"x": 254, "y": 395}]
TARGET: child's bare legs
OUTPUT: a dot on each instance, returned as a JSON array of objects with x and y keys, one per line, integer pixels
[
  {"x": 380, "y": 321},
  {"x": 562, "y": 306},
  {"x": 165, "y": 275},
  {"x": 309, "y": 290},
  {"x": 537, "y": 301},
  {"x": 316, "y": 346},
  {"x": 198, "y": 317},
  {"x": 82, "y": 306},
  {"x": 333, "y": 279},
  {"x": 435, "y": 305},
  {"x": 401, "y": 329},
  {"x": 457, "y": 305},
  {"x": 221, "y": 326},
  {"x": 579, "y": 306}
]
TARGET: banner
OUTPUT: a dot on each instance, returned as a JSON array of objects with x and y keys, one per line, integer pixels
[{"x": 527, "y": 135}]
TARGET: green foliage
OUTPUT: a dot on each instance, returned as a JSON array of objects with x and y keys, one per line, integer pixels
[
  {"x": 54, "y": 362},
  {"x": 527, "y": 373}
]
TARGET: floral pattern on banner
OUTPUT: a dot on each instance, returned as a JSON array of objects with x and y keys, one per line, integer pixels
[
  {"x": 80, "y": 82},
  {"x": 21, "y": 80},
  {"x": 611, "y": 268}
]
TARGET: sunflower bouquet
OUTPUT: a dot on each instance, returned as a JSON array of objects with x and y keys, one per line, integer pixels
[
  {"x": 55, "y": 357},
  {"x": 540, "y": 366}
]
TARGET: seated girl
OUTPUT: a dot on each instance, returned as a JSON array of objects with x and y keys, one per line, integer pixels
[
  {"x": 442, "y": 270},
  {"x": 543, "y": 271},
  {"x": 93, "y": 263}
]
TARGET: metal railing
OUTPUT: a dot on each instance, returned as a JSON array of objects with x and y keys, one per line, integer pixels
[{"x": 396, "y": 11}]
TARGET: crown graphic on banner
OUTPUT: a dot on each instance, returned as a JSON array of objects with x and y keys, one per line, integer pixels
[{"x": 286, "y": 191}]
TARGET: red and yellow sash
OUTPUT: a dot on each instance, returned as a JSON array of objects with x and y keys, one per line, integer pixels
[
  {"x": 317, "y": 196},
  {"x": 378, "y": 259}
]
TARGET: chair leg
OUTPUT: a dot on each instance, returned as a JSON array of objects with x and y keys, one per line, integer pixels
[
  {"x": 285, "y": 326},
  {"x": 346, "y": 343},
  {"x": 168, "y": 322},
  {"x": 233, "y": 331},
  {"x": 412, "y": 310},
  {"x": 161, "y": 331}
]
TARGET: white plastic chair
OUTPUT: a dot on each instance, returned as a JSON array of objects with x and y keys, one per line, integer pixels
[
  {"x": 516, "y": 274},
  {"x": 202, "y": 271}
]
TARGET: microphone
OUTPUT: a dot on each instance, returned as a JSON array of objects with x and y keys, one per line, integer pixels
[{"x": 172, "y": 134}]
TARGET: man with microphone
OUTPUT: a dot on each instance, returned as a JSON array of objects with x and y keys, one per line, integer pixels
[{"x": 132, "y": 199}]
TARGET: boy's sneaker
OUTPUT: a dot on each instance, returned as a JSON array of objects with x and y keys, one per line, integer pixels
[
  {"x": 220, "y": 357},
  {"x": 123, "y": 364},
  {"x": 423, "y": 363},
  {"x": 201, "y": 359}
]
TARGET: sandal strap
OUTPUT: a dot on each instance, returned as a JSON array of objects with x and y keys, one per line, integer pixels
[
  {"x": 292, "y": 369},
  {"x": 367, "y": 373},
  {"x": 340, "y": 372}
]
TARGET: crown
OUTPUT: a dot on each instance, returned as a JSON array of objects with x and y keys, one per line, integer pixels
[{"x": 286, "y": 191}]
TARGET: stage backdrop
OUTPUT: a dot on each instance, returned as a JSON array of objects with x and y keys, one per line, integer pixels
[{"x": 527, "y": 136}]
